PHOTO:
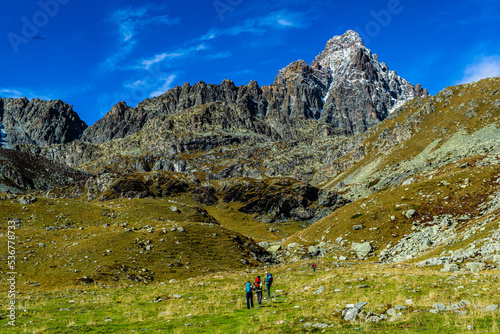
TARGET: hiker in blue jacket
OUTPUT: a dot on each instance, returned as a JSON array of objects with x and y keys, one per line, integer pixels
[
  {"x": 249, "y": 294},
  {"x": 269, "y": 282}
]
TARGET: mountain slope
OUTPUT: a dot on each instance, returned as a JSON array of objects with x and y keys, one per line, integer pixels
[{"x": 426, "y": 185}]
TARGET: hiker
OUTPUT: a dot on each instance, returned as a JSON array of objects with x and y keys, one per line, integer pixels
[
  {"x": 314, "y": 267},
  {"x": 258, "y": 289},
  {"x": 269, "y": 282},
  {"x": 249, "y": 294}
]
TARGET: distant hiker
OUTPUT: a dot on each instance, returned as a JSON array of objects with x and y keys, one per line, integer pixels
[
  {"x": 314, "y": 267},
  {"x": 269, "y": 282},
  {"x": 249, "y": 294},
  {"x": 258, "y": 289}
]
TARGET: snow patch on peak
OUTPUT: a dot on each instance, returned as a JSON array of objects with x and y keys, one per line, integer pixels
[
  {"x": 3, "y": 143},
  {"x": 353, "y": 65}
]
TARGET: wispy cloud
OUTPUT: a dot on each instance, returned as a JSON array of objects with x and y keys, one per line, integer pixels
[
  {"x": 12, "y": 93},
  {"x": 19, "y": 93},
  {"x": 281, "y": 19},
  {"x": 485, "y": 67},
  {"x": 150, "y": 84},
  {"x": 129, "y": 22},
  {"x": 156, "y": 59},
  {"x": 167, "y": 84}
]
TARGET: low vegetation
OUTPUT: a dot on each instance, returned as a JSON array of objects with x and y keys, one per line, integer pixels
[{"x": 215, "y": 303}]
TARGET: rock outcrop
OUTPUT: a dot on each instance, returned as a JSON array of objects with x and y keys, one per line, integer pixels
[{"x": 38, "y": 122}]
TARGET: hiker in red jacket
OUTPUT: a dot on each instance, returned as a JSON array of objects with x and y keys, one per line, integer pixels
[
  {"x": 314, "y": 267},
  {"x": 257, "y": 285}
]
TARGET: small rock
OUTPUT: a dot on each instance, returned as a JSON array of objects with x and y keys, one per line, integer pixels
[
  {"x": 360, "y": 305},
  {"x": 396, "y": 317},
  {"x": 350, "y": 314},
  {"x": 391, "y": 311},
  {"x": 410, "y": 213},
  {"x": 274, "y": 249},
  {"x": 439, "y": 307},
  {"x": 475, "y": 266},
  {"x": 450, "y": 267},
  {"x": 491, "y": 308}
]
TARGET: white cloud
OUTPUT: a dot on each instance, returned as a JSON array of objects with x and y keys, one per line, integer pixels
[
  {"x": 129, "y": 22},
  {"x": 486, "y": 67},
  {"x": 12, "y": 93},
  {"x": 148, "y": 63},
  {"x": 19, "y": 93},
  {"x": 167, "y": 84},
  {"x": 259, "y": 25},
  {"x": 135, "y": 84}
]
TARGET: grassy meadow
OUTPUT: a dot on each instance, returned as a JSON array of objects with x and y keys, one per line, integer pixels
[{"x": 216, "y": 303}]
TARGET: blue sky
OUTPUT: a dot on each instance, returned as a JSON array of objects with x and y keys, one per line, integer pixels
[{"x": 92, "y": 54}]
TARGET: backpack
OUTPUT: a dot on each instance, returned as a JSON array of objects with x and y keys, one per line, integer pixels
[
  {"x": 269, "y": 278},
  {"x": 248, "y": 287}
]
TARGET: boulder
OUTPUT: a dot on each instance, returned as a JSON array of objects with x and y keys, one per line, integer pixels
[
  {"x": 274, "y": 249},
  {"x": 362, "y": 249},
  {"x": 410, "y": 213},
  {"x": 450, "y": 267},
  {"x": 475, "y": 266},
  {"x": 313, "y": 250}
]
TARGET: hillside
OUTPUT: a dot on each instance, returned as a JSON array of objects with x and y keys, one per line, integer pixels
[{"x": 427, "y": 187}]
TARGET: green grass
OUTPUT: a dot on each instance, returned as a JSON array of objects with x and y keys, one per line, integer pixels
[{"x": 215, "y": 303}]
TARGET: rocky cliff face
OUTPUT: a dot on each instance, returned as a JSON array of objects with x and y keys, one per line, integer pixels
[
  {"x": 363, "y": 91},
  {"x": 123, "y": 120},
  {"x": 38, "y": 122}
]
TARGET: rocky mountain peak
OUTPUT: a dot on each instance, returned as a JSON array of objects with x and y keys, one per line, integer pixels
[
  {"x": 345, "y": 86},
  {"x": 363, "y": 91},
  {"x": 38, "y": 122}
]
